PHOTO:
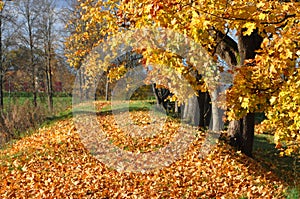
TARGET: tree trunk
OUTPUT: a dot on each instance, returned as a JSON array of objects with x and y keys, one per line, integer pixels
[
  {"x": 3, "y": 128},
  {"x": 106, "y": 89},
  {"x": 248, "y": 134},
  {"x": 201, "y": 104},
  {"x": 80, "y": 84},
  {"x": 1, "y": 92},
  {"x": 32, "y": 62},
  {"x": 1, "y": 68},
  {"x": 161, "y": 96},
  {"x": 49, "y": 56},
  {"x": 197, "y": 111},
  {"x": 49, "y": 83},
  {"x": 191, "y": 111},
  {"x": 235, "y": 130},
  {"x": 207, "y": 109},
  {"x": 243, "y": 131},
  {"x": 176, "y": 108},
  {"x": 216, "y": 123},
  {"x": 34, "y": 87}
]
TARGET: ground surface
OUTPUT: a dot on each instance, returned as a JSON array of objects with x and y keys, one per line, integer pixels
[{"x": 53, "y": 163}]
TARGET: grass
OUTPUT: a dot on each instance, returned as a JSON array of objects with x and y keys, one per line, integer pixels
[
  {"x": 286, "y": 168},
  {"x": 63, "y": 109},
  {"x": 293, "y": 193},
  {"x": 131, "y": 105},
  {"x": 59, "y": 103},
  {"x": 66, "y": 114}
]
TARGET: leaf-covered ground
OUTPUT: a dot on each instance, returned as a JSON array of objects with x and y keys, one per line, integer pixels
[{"x": 53, "y": 163}]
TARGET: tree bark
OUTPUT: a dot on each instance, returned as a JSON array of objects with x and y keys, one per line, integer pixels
[
  {"x": 1, "y": 92},
  {"x": 49, "y": 81},
  {"x": 216, "y": 123},
  {"x": 49, "y": 42},
  {"x": 191, "y": 111},
  {"x": 197, "y": 110},
  {"x": 31, "y": 46},
  {"x": 106, "y": 89},
  {"x": 235, "y": 129},
  {"x": 1, "y": 68},
  {"x": 176, "y": 108},
  {"x": 248, "y": 134},
  {"x": 201, "y": 106},
  {"x": 245, "y": 135},
  {"x": 242, "y": 131},
  {"x": 80, "y": 83},
  {"x": 161, "y": 96},
  {"x": 207, "y": 109}
]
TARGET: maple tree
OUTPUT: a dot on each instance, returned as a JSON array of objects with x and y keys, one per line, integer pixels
[{"x": 257, "y": 40}]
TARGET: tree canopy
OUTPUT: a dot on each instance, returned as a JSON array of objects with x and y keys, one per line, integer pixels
[{"x": 259, "y": 41}]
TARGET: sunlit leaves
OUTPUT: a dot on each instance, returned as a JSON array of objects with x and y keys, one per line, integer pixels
[
  {"x": 284, "y": 116},
  {"x": 117, "y": 73},
  {"x": 94, "y": 21},
  {"x": 256, "y": 83},
  {"x": 249, "y": 26}
]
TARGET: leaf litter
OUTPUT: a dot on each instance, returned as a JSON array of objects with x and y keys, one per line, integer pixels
[{"x": 53, "y": 163}]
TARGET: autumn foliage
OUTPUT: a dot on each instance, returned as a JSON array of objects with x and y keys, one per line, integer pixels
[{"x": 267, "y": 83}]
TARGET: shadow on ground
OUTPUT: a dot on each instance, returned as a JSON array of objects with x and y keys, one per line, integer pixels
[
  {"x": 62, "y": 116},
  {"x": 286, "y": 168}
]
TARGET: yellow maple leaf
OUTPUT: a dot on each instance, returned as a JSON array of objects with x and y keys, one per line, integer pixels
[
  {"x": 250, "y": 26},
  {"x": 262, "y": 16},
  {"x": 245, "y": 103},
  {"x": 272, "y": 100},
  {"x": 260, "y": 4},
  {"x": 285, "y": 7}
]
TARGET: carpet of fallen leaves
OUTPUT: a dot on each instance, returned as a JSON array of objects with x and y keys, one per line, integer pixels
[{"x": 53, "y": 163}]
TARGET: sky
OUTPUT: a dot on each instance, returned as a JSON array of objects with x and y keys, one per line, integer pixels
[{"x": 61, "y": 3}]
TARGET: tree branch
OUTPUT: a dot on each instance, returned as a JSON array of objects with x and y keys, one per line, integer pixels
[{"x": 226, "y": 48}]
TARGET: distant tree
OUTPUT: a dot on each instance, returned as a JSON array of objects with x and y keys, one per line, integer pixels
[
  {"x": 7, "y": 36},
  {"x": 29, "y": 12},
  {"x": 7, "y": 33},
  {"x": 47, "y": 37}
]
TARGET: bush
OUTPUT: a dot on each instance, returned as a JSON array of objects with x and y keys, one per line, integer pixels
[
  {"x": 62, "y": 94},
  {"x": 41, "y": 94},
  {"x": 18, "y": 94},
  {"x": 20, "y": 117}
]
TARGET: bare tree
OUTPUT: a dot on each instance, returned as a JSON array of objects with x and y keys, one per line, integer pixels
[
  {"x": 7, "y": 33},
  {"x": 29, "y": 12},
  {"x": 47, "y": 36}
]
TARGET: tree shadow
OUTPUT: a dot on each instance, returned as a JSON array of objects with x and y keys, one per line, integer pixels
[
  {"x": 56, "y": 118},
  {"x": 107, "y": 110},
  {"x": 285, "y": 168}
]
